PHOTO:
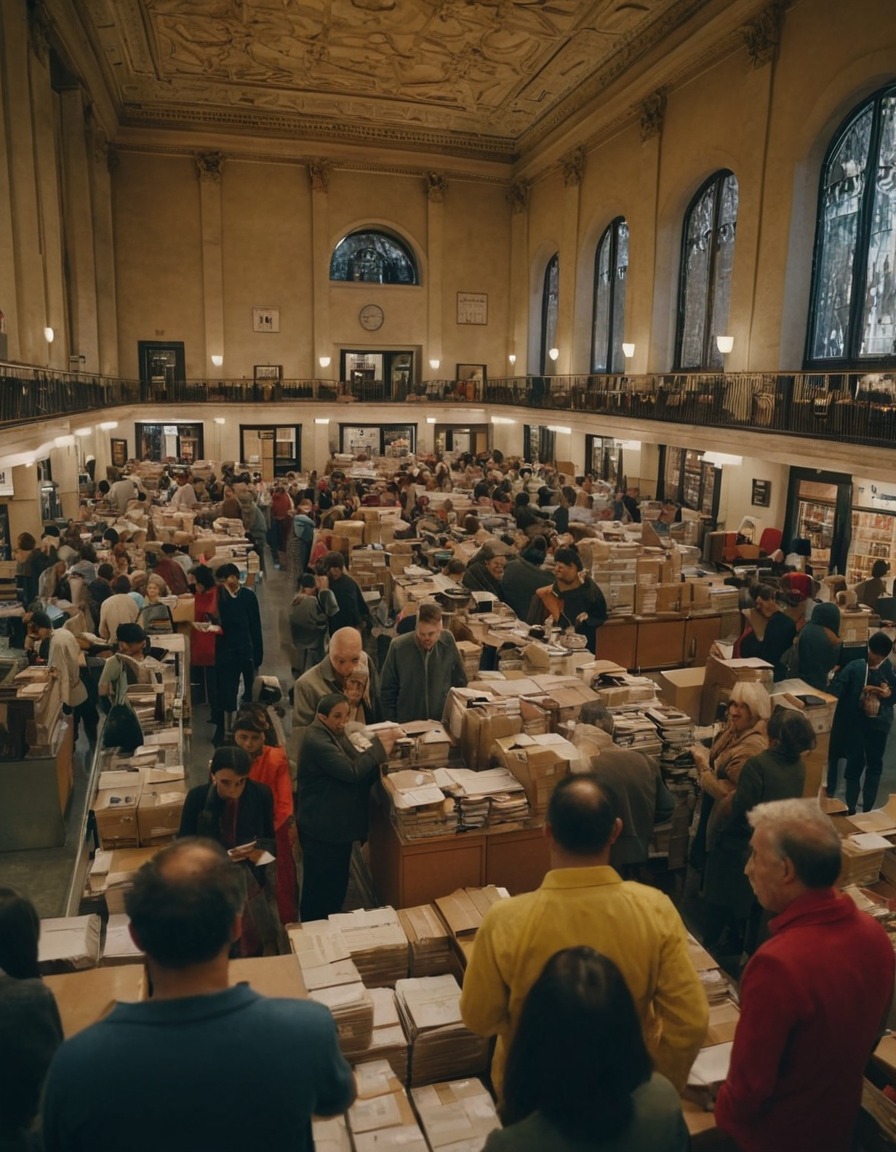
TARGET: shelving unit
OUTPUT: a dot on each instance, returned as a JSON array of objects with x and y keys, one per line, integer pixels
[
  {"x": 815, "y": 522},
  {"x": 873, "y": 538}
]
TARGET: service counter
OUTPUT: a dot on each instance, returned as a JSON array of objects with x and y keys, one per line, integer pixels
[
  {"x": 645, "y": 642},
  {"x": 34, "y": 796},
  {"x": 411, "y": 872}
]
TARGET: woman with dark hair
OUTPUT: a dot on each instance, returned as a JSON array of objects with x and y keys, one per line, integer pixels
[
  {"x": 778, "y": 773},
  {"x": 769, "y": 632},
  {"x": 573, "y": 601},
  {"x": 239, "y": 813},
  {"x": 578, "y": 1074},
  {"x": 203, "y": 636},
  {"x": 30, "y": 1028}
]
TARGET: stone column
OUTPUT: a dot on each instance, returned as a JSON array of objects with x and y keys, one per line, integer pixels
[
  {"x": 104, "y": 162},
  {"x": 518, "y": 296},
  {"x": 640, "y": 300},
  {"x": 436, "y": 187},
  {"x": 573, "y": 168},
  {"x": 79, "y": 240},
  {"x": 211, "y": 167},
  {"x": 319, "y": 172}
]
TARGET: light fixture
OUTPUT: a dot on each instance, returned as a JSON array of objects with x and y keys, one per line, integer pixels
[
  {"x": 560, "y": 428},
  {"x": 512, "y": 359},
  {"x": 324, "y": 361},
  {"x": 434, "y": 364},
  {"x": 83, "y": 431},
  {"x": 721, "y": 459},
  {"x": 554, "y": 353},
  {"x": 108, "y": 425},
  {"x": 49, "y": 334},
  {"x": 628, "y": 350},
  {"x": 321, "y": 419},
  {"x": 502, "y": 420},
  {"x": 217, "y": 361},
  {"x": 431, "y": 420},
  {"x": 724, "y": 344},
  {"x": 220, "y": 419}
]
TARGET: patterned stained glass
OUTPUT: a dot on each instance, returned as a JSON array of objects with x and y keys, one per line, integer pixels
[
  {"x": 370, "y": 257},
  {"x": 878, "y": 326},
  {"x": 608, "y": 318},
  {"x": 707, "y": 260},
  {"x": 550, "y": 304}
]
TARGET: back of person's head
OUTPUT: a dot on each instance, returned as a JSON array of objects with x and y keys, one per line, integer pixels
[
  {"x": 536, "y": 551},
  {"x": 105, "y": 571},
  {"x": 40, "y": 620},
  {"x": 792, "y": 731},
  {"x": 233, "y": 758},
  {"x": 19, "y": 935},
  {"x": 455, "y": 567},
  {"x": 122, "y": 585},
  {"x": 204, "y": 577},
  {"x": 598, "y": 715},
  {"x": 522, "y": 499},
  {"x": 307, "y": 580},
  {"x": 471, "y": 525},
  {"x": 879, "y": 569},
  {"x": 129, "y": 634},
  {"x": 578, "y": 1053},
  {"x": 88, "y": 553},
  {"x": 880, "y": 644},
  {"x": 184, "y": 902},
  {"x": 803, "y": 834},
  {"x": 828, "y": 616},
  {"x": 569, "y": 555},
  {"x": 581, "y": 814}
]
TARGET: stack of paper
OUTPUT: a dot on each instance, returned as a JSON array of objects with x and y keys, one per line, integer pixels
[
  {"x": 863, "y": 858},
  {"x": 118, "y": 946},
  {"x": 441, "y": 1047},
  {"x": 377, "y": 943},
  {"x": 382, "y": 1118},
  {"x": 715, "y": 985},
  {"x": 463, "y": 911},
  {"x": 333, "y": 980},
  {"x": 68, "y": 944},
  {"x": 331, "y": 1135},
  {"x": 493, "y": 796},
  {"x": 456, "y": 1115},
  {"x": 417, "y": 805},
  {"x": 388, "y": 1041},
  {"x": 430, "y": 941}
]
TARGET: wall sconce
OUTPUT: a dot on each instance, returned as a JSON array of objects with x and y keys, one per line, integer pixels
[
  {"x": 83, "y": 431},
  {"x": 220, "y": 419},
  {"x": 512, "y": 359},
  {"x": 49, "y": 334},
  {"x": 724, "y": 344},
  {"x": 434, "y": 364},
  {"x": 217, "y": 361},
  {"x": 431, "y": 420},
  {"x": 321, "y": 419},
  {"x": 560, "y": 428},
  {"x": 108, "y": 426},
  {"x": 554, "y": 353},
  {"x": 324, "y": 361},
  {"x": 628, "y": 350}
]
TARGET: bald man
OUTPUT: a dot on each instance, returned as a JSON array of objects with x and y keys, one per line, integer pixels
[{"x": 346, "y": 655}]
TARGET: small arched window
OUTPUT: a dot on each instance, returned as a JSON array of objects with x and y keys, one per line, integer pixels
[
  {"x": 608, "y": 316},
  {"x": 373, "y": 257},
  {"x": 550, "y": 303},
  {"x": 853, "y": 311},
  {"x": 707, "y": 256}
]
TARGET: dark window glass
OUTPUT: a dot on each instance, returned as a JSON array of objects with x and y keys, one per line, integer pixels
[
  {"x": 550, "y": 302},
  {"x": 705, "y": 287},
  {"x": 373, "y": 258},
  {"x": 853, "y": 293},
  {"x": 608, "y": 319}
]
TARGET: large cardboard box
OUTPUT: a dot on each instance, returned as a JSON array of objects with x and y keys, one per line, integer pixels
[
  {"x": 159, "y": 812},
  {"x": 538, "y": 762},
  {"x": 115, "y": 810},
  {"x": 481, "y": 726},
  {"x": 683, "y": 688}
]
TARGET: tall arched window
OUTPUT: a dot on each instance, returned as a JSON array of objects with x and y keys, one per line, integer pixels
[
  {"x": 550, "y": 301},
  {"x": 373, "y": 257},
  {"x": 707, "y": 255},
  {"x": 608, "y": 317},
  {"x": 853, "y": 315}
]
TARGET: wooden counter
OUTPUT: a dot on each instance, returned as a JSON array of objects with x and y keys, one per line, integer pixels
[
  {"x": 644, "y": 642},
  {"x": 34, "y": 794}
]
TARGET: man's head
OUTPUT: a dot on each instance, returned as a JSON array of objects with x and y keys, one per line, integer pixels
[
  {"x": 333, "y": 565},
  {"x": 795, "y": 848},
  {"x": 581, "y": 817},
  {"x": 122, "y": 585},
  {"x": 105, "y": 572},
  {"x": 346, "y": 649},
  {"x": 40, "y": 626},
  {"x": 185, "y": 903},
  {"x": 131, "y": 639},
  {"x": 308, "y": 584},
  {"x": 429, "y": 626},
  {"x": 229, "y": 576}
]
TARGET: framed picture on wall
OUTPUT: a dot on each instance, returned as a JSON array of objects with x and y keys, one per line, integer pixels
[
  {"x": 265, "y": 319},
  {"x": 119, "y": 450},
  {"x": 268, "y": 371},
  {"x": 472, "y": 308}
]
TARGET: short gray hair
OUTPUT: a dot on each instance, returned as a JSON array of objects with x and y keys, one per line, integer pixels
[
  {"x": 598, "y": 715},
  {"x": 803, "y": 834},
  {"x": 754, "y": 696},
  {"x": 429, "y": 613}
]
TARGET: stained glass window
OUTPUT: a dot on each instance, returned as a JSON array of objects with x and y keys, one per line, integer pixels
[
  {"x": 707, "y": 258},
  {"x": 550, "y": 303},
  {"x": 853, "y": 291},
  {"x": 369, "y": 257},
  {"x": 608, "y": 318}
]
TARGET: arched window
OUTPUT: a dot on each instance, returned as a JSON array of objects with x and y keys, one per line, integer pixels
[
  {"x": 853, "y": 316},
  {"x": 373, "y": 257},
  {"x": 550, "y": 301},
  {"x": 608, "y": 317},
  {"x": 706, "y": 258}
]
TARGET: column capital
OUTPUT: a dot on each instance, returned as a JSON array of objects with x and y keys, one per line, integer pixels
[
  {"x": 436, "y": 186},
  {"x": 39, "y": 30},
  {"x": 572, "y": 165},
  {"x": 652, "y": 114},
  {"x": 762, "y": 35},
  {"x": 319, "y": 174},
  {"x": 210, "y": 166},
  {"x": 518, "y": 196}
]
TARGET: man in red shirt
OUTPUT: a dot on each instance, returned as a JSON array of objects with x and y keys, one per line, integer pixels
[{"x": 813, "y": 998}]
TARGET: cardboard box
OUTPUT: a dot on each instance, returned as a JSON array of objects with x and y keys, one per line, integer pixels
[
  {"x": 83, "y": 998},
  {"x": 538, "y": 762},
  {"x": 820, "y": 715},
  {"x": 683, "y": 688},
  {"x": 159, "y": 812},
  {"x": 481, "y": 726},
  {"x": 115, "y": 810}
]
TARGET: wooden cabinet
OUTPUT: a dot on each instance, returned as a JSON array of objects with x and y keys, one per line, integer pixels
[
  {"x": 700, "y": 634},
  {"x": 660, "y": 643},
  {"x": 648, "y": 642},
  {"x": 517, "y": 861},
  {"x": 618, "y": 641}
]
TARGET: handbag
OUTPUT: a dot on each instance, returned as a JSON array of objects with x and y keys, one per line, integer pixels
[
  {"x": 869, "y": 701},
  {"x": 122, "y": 729}
]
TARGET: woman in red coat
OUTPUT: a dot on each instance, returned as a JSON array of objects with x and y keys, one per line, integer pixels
[
  {"x": 281, "y": 523},
  {"x": 202, "y": 640}
]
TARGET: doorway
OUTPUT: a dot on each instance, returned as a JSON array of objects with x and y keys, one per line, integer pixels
[
  {"x": 271, "y": 449},
  {"x": 162, "y": 365},
  {"x": 183, "y": 443},
  {"x": 818, "y": 510}
]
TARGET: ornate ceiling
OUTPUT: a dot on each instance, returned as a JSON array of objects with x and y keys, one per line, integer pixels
[{"x": 480, "y": 79}]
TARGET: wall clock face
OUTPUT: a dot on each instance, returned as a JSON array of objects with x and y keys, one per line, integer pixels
[{"x": 371, "y": 317}]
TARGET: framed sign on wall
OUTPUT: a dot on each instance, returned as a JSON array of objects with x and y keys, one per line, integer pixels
[
  {"x": 761, "y": 495},
  {"x": 472, "y": 308}
]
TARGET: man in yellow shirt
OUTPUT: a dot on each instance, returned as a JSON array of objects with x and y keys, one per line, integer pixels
[{"x": 582, "y": 900}]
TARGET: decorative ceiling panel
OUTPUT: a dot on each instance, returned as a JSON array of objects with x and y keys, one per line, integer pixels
[{"x": 481, "y": 74}]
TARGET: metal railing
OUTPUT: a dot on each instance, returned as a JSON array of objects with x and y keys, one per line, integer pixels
[{"x": 851, "y": 407}]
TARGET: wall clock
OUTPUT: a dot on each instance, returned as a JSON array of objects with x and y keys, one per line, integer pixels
[{"x": 371, "y": 317}]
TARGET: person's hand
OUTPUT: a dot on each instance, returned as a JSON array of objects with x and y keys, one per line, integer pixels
[
  {"x": 387, "y": 738},
  {"x": 581, "y": 618},
  {"x": 244, "y": 852}
]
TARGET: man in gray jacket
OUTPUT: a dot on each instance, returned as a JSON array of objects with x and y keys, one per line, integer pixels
[{"x": 420, "y": 669}]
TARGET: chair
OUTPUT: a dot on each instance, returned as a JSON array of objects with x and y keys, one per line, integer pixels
[
  {"x": 886, "y": 608},
  {"x": 770, "y": 541}
]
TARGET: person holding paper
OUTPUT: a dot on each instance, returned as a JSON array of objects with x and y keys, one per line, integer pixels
[
  {"x": 201, "y": 1064},
  {"x": 813, "y": 999},
  {"x": 238, "y": 813}
]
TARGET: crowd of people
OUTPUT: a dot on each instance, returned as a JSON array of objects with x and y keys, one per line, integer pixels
[{"x": 586, "y": 983}]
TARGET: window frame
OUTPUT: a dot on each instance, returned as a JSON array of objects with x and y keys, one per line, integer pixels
[
  {"x": 387, "y": 234},
  {"x": 614, "y": 366},
  {"x": 554, "y": 262}
]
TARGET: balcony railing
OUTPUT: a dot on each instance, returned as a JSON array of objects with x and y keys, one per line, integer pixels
[{"x": 850, "y": 407}]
